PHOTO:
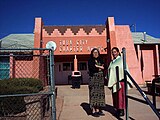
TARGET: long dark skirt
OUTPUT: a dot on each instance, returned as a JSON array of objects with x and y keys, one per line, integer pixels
[
  {"x": 96, "y": 91},
  {"x": 119, "y": 97}
]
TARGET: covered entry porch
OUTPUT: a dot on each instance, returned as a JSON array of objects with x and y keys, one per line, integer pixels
[{"x": 64, "y": 65}]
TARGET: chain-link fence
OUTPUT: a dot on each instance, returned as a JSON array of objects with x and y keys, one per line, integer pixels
[{"x": 27, "y": 88}]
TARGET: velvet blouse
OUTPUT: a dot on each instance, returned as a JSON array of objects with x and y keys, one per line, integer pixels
[{"x": 91, "y": 65}]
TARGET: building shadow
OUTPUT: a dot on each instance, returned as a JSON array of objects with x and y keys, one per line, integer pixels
[{"x": 137, "y": 99}]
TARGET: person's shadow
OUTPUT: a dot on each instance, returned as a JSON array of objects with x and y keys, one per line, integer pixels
[
  {"x": 108, "y": 108},
  {"x": 86, "y": 108}
]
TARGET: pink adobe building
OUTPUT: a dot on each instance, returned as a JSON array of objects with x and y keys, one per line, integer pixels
[{"x": 143, "y": 50}]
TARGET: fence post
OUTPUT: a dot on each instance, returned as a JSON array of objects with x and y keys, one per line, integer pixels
[
  {"x": 125, "y": 82},
  {"x": 52, "y": 84}
]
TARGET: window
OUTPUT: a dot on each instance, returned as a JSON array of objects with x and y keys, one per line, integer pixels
[
  {"x": 66, "y": 66},
  {"x": 59, "y": 68},
  {"x": 82, "y": 66},
  {"x": 72, "y": 66},
  {"x": 4, "y": 68}
]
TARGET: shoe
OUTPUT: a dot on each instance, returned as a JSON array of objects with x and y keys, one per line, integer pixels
[
  {"x": 95, "y": 114},
  {"x": 101, "y": 113},
  {"x": 121, "y": 112}
]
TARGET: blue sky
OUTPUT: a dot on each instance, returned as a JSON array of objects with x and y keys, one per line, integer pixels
[{"x": 17, "y": 16}]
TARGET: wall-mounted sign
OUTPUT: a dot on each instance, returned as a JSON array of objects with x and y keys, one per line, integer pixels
[{"x": 76, "y": 46}]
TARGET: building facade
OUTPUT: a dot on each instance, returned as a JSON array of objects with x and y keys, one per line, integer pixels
[{"x": 143, "y": 50}]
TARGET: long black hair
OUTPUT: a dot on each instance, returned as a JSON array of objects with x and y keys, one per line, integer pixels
[{"x": 91, "y": 55}]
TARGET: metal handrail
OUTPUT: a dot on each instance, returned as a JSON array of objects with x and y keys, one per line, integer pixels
[
  {"x": 153, "y": 91},
  {"x": 31, "y": 94},
  {"x": 143, "y": 95},
  {"x": 126, "y": 73}
]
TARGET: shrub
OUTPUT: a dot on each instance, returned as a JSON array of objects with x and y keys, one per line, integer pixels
[
  {"x": 14, "y": 105},
  {"x": 20, "y": 85}
]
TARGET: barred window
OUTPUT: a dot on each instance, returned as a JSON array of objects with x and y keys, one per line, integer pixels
[
  {"x": 66, "y": 66},
  {"x": 82, "y": 66}
]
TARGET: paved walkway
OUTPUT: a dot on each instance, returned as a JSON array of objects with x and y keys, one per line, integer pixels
[{"x": 72, "y": 104}]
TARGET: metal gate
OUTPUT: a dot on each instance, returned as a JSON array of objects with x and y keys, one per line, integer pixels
[{"x": 27, "y": 86}]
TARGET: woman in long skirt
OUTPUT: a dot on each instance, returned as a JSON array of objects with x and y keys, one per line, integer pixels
[{"x": 96, "y": 83}]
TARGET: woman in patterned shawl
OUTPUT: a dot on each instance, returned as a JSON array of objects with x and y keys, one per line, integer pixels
[{"x": 96, "y": 83}]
